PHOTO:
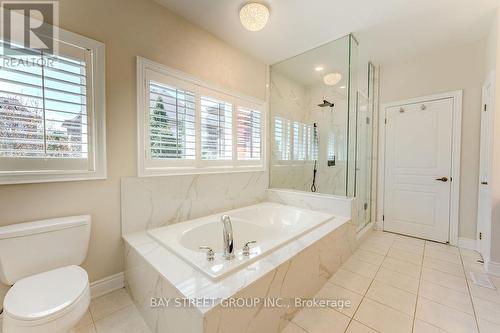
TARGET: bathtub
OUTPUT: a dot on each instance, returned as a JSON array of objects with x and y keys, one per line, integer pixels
[{"x": 271, "y": 225}]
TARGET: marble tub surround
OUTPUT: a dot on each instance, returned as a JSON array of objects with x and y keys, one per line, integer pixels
[
  {"x": 151, "y": 202},
  {"x": 297, "y": 269},
  {"x": 327, "y": 203}
]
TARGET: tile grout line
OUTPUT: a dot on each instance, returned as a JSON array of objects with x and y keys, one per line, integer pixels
[
  {"x": 364, "y": 295},
  {"x": 445, "y": 305},
  {"x": 418, "y": 288},
  {"x": 476, "y": 319}
]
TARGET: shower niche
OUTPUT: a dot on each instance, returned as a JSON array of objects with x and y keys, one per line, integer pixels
[{"x": 321, "y": 122}]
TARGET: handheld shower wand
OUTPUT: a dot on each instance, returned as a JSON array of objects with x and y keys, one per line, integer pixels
[
  {"x": 315, "y": 146},
  {"x": 313, "y": 186}
]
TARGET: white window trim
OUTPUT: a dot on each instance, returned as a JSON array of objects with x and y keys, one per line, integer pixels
[
  {"x": 98, "y": 123},
  {"x": 144, "y": 168}
]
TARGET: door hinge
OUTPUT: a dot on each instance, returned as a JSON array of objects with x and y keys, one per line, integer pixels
[
  {"x": 365, "y": 206},
  {"x": 484, "y": 107},
  {"x": 480, "y": 236},
  {"x": 383, "y": 217},
  {"x": 385, "y": 121}
]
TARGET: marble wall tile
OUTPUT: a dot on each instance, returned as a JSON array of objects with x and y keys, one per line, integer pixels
[
  {"x": 150, "y": 202},
  {"x": 302, "y": 276},
  {"x": 143, "y": 283}
]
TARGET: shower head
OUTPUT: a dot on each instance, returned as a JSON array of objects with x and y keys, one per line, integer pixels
[{"x": 326, "y": 103}]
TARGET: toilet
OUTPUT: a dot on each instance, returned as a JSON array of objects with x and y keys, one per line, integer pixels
[{"x": 50, "y": 293}]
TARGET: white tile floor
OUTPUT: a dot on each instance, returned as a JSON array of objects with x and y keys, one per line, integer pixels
[
  {"x": 395, "y": 284},
  {"x": 112, "y": 313},
  {"x": 401, "y": 284}
]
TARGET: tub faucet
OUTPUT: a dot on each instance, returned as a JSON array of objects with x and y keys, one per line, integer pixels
[{"x": 228, "y": 237}]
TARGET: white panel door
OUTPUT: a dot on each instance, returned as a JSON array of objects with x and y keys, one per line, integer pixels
[{"x": 418, "y": 169}]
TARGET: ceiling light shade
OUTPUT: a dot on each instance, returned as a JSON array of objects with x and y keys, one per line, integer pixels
[
  {"x": 254, "y": 16},
  {"x": 332, "y": 79}
]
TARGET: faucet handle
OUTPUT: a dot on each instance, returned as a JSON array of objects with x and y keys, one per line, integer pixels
[
  {"x": 246, "y": 248},
  {"x": 210, "y": 252}
]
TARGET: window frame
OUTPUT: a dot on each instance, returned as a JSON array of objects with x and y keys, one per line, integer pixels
[
  {"x": 97, "y": 124},
  {"x": 147, "y": 167}
]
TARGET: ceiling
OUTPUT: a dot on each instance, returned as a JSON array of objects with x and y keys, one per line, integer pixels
[{"x": 387, "y": 30}]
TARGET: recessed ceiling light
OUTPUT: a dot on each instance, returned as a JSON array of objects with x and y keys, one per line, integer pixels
[
  {"x": 319, "y": 68},
  {"x": 254, "y": 16},
  {"x": 342, "y": 87},
  {"x": 332, "y": 79}
]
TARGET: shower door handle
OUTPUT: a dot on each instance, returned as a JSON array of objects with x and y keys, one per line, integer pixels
[{"x": 443, "y": 179}]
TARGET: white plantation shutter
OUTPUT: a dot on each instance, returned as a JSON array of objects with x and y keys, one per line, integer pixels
[
  {"x": 282, "y": 137},
  {"x": 172, "y": 116},
  {"x": 249, "y": 134},
  {"x": 299, "y": 141},
  {"x": 331, "y": 147},
  {"x": 46, "y": 109},
  {"x": 312, "y": 143},
  {"x": 216, "y": 129}
]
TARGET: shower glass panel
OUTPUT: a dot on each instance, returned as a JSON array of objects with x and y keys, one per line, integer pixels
[
  {"x": 322, "y": 124},
  {"x": 364, "y": 149},
  {"x": 310, "y": 107}
]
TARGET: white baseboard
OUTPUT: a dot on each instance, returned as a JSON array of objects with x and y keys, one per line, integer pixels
[
  {"x": 492, "y": 268},
  {"x": 107, "y": 285},
  {"x": 467, "y": 243},
  {"x": 361, "y": 234}
]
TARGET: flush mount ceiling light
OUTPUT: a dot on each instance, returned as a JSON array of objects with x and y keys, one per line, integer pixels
[
  {"x": 254, "y": 16},
  {"x": 332, "y": 79},
  {"x": 319, "y": 68}
]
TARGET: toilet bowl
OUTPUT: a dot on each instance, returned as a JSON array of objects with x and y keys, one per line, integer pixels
[{"x": 50, "y": 293}]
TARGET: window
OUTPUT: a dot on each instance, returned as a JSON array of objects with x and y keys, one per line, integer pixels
[
  {"x": 216, "y": 129},
  {"x": 249, "y": 134},
  {"x": 171, "y": 122},
  {"x": 312, "y": 143},
  {"x": 299, "y": 141},
  {"x": 282, "y": 137},
  {"x": 187, "y": 126},
  {"x": 331, "y": 147},
  {"x": 294, "y": 141},
  {"x": 52, "y": 112}
]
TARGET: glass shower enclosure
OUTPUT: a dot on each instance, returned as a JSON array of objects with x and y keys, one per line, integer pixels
[{"x": 321, "y": 124}]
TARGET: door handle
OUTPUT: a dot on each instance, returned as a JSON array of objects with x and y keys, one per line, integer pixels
[
  {"x": 484, "y": 183},
  {"x": 443, "y": 179}
]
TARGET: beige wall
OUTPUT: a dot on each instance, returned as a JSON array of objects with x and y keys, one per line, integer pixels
[
  {"x": 128, "y": 28},
  {"x": 440, "y": 71}
]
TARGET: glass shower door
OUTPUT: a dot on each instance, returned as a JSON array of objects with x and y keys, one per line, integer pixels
[{"x": 364, "y": 152}]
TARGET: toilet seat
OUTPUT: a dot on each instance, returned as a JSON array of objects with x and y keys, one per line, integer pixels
[{"x": 57, "y": 298}]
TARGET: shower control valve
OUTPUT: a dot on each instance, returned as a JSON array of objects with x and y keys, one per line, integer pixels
[
  {"x": 246, "y": 248},
  {"x": 210, "y": 252}
]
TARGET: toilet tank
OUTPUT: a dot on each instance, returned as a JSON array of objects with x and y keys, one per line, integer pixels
[{"x": 34, "y": 247}]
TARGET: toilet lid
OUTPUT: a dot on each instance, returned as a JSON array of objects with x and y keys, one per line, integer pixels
[{"x": 46, "y": 294}]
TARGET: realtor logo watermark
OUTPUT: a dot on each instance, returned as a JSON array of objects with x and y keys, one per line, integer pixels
[{"x": 29, "y": 25}]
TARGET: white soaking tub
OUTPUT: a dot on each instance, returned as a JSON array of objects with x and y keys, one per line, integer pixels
[{"x": 271, "y": 225}]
